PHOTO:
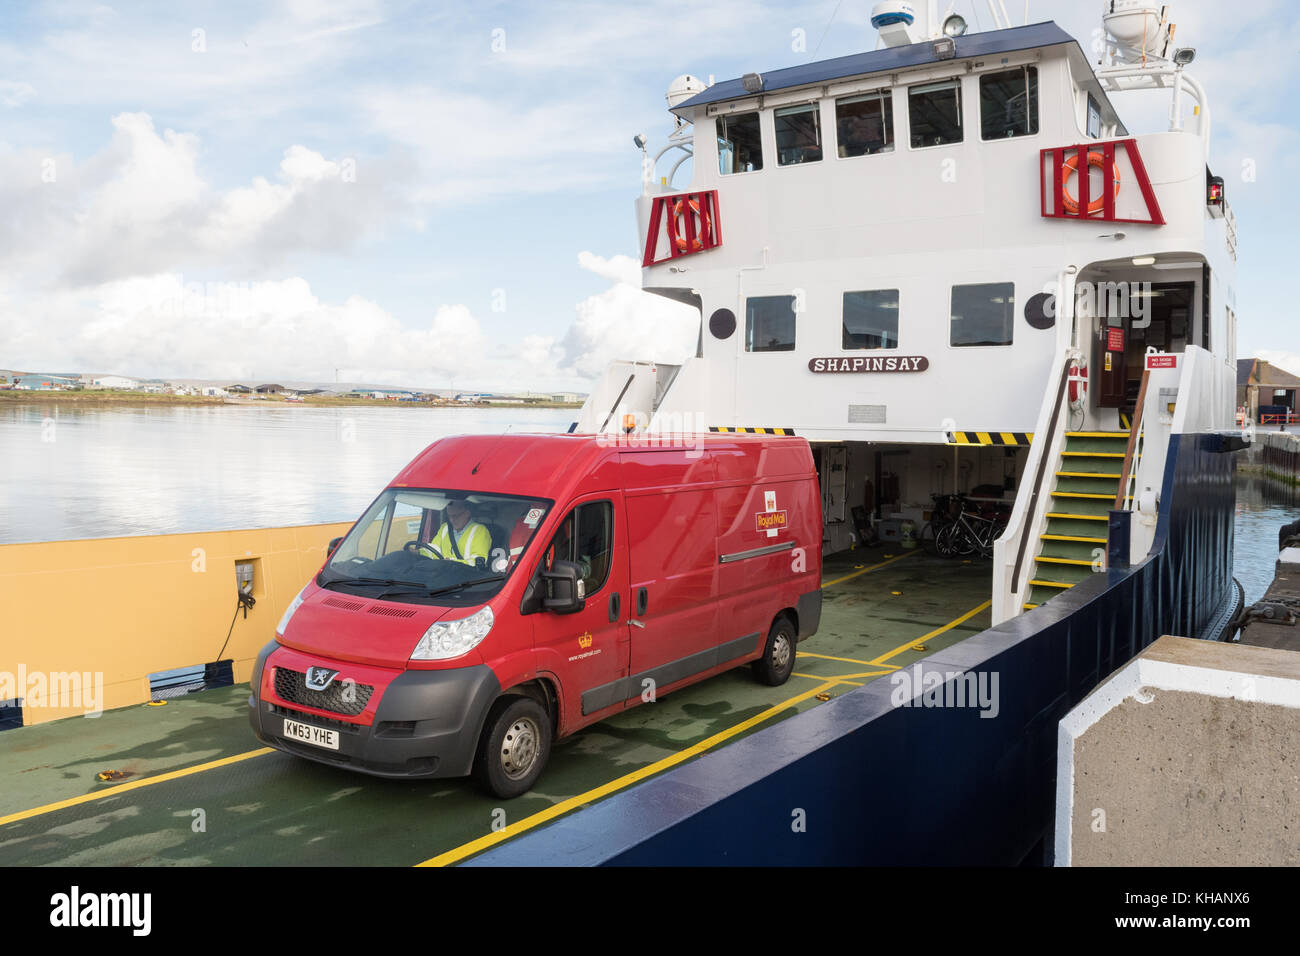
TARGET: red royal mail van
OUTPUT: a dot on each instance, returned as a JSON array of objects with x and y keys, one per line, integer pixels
[{"x": 507, "y": 590}]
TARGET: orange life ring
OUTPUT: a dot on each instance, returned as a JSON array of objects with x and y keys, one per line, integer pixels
[
  {"x": 680, "y": 208},
  {"x": 1070, "y": 168}
]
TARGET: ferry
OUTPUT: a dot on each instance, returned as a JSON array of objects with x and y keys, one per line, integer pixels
[{"x": 947, "y": 264}]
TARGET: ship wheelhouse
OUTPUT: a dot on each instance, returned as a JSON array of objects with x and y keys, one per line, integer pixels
[{"x": 935, "y": 261}]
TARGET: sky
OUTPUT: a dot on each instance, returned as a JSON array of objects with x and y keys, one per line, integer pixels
[{"x": 441, "y": 195}]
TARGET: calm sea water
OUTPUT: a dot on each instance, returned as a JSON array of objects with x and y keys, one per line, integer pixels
[
  {"x": 110, "y": 471},
  {"x": 104, "y": 472}
]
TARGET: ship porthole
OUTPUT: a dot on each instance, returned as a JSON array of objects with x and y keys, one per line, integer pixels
[
  {"x": 1040, "y": 310},
  {"x": 722, "y": 323}
]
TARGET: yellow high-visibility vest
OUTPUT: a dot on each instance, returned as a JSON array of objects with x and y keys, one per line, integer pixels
[{"x": 473, "y": 541}]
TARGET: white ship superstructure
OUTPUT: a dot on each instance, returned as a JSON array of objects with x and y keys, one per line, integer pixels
[{"x": 894, "y": 254}]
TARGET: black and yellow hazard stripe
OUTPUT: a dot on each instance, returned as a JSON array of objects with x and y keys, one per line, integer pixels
[
  {"x": 1004, "y": 439},
  {"x": 1125, "y": 421},
  {"x": 737, "y": 430}
]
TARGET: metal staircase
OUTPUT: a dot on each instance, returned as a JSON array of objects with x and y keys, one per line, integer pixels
[{"x": 1086, "y": 486}]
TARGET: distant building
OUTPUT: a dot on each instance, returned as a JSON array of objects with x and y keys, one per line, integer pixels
[
  {"x": 45, "y": 383},
  {"x": 269, "y": 389},
  {"x": 238, "y": 389},
  {"x": 114, "y": 381},
  {"x": 214, "y": 391},
  {"x": 567, "y": 398},
  {"x": 1265, "y": 391}
]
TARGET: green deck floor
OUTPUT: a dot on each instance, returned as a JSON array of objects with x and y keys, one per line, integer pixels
[{"x": 272, "y": 808}]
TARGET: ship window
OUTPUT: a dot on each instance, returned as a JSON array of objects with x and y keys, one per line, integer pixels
[
  {"x": 865, "y": 124},
  {"x": 1009, "y": 103},
  {"x": 983, "y": 314},
  {"x": 798, "y": 134},
  {"x": 934, "y": 113},
  {"x": 769, "y": 323},
  {"x": 871, "y": 319},
  {"x": 1094, "y": 118},
  {"x": 739, "y": 147}
]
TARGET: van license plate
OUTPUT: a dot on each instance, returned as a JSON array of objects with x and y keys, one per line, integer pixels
[{"x": 316, "y": 736}]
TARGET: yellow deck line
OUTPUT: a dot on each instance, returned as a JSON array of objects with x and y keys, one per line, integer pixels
[
  {"x": 572, "y": 803},
  {"x": 846, "y": 660},
  {"x": 937, "y": 631},
  {"x": 856, "y": 574},
  {"x": 133, "y": 785}
]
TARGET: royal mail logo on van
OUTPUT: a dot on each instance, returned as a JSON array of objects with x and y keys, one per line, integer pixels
[
  {"x": 870, "y": 363},
  {"x": 318, "y": 678},
  {"x": 584, "y": 640},
  {"x": 771, "y": 521}
]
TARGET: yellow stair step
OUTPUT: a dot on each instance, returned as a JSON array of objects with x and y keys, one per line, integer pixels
[
  {"x": 1096, "y": 434},
  {"x": 1093, "y": 454},
  {"x": 1071, "y": 537},
  {"x": 1078, "y": 561},
  {"x": 1061, "y": 514},
  {"x": 1030, "y": 607},
  {"x": 1087, "y": 474},
  {"x": 1080, "y": 494},
  {"x": 1052, "y": 584}
]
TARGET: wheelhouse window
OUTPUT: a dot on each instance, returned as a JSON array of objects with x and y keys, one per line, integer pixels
[
  {"x": 1009, "y": 103},
  {"x": 865, "y": 124},
  {"x": 769, "y": 323},
  {"x": 740, "y": 148},
  {"x": 798, "y": 134},
  {"x": 934, "y": 113},
  {"x": 983, "y": 314},
  {"x": 871, "y": 319},
  {"x": 1094, "y": 118}
]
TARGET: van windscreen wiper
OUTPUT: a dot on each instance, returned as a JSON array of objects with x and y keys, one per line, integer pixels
[{"x": 468, "y": 584}]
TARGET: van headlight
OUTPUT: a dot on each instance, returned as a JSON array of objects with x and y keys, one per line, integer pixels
[
  {"x": 288, "y": 612},
  {"x": 453, "y": 638}
]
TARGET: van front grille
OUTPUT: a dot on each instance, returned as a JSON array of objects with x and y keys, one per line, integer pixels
[{"x": 340, "y": 697}]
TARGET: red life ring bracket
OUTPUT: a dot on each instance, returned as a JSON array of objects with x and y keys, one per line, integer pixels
[{"x": 1070, "y": 167}]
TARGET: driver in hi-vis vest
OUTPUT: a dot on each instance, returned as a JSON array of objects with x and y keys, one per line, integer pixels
[{"x": 471, "y": 540}]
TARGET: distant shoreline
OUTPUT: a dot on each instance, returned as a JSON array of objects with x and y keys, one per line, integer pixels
[{"x": 114, "y": 397}]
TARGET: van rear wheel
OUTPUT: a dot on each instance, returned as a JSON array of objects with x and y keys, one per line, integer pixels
[
  {"x": 777, "y": 663},
  {"x": 514, "y": 748}
]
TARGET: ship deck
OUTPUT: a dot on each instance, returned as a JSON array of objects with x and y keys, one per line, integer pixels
[{"x": 195, "y": 790}]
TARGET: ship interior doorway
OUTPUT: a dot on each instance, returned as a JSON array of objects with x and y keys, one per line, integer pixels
[
  {"x": 1160, "y": 316},
  {"x": 885, "y": 494}
]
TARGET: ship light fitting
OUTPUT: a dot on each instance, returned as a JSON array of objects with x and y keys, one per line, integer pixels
[
  {"x": 752, "y": 82},
  {"x": 954, "y": 26},
  {"x": 1184, "y": 55},
  {"x": 639, "y": 140},
  {"x": 1144, "y": 260},
  {"x": 945, "y": 48}
]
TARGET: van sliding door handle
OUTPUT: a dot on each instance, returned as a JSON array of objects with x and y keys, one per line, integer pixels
[
  {"x": 642, "y": 599},
  {"x": 635, "y": 623},
  {"x": 614, "y": 607}
]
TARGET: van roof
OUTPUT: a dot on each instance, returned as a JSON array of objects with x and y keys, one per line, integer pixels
[{"x": 543, "y": 465}]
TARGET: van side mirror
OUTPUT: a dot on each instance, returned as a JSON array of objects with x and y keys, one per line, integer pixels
[
  {"x": 564, "y": 585},
  {"x": 334, "y": 543}
]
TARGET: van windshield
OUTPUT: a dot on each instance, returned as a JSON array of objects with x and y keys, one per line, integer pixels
[{"x": 430, "y": 545}]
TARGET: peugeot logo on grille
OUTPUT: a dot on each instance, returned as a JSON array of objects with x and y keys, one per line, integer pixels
[{"x": 318, "y": 678}]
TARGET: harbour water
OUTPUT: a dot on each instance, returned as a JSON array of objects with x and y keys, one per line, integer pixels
[
  {"x": 110, "y": 471},
  {"x": 73, "y": 472}
]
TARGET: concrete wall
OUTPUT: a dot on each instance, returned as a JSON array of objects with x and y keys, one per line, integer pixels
[
  {"x": 1184, "y": 757},
  {"x": 1274, "y": 453},
  {"x": 120, "y": 609}
]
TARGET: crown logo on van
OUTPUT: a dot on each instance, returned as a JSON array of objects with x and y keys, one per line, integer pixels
[{"x": 584, "y": 640}]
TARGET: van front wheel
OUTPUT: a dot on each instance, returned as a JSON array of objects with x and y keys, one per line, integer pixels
[
  {"x": 514, "y": 748},
  {"x": 777, "y": 663}
]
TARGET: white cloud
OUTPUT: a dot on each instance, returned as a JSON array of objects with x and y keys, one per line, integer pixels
[
  {"x": 623, "y": 322},
  {"x": 14, "y": 93}
]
